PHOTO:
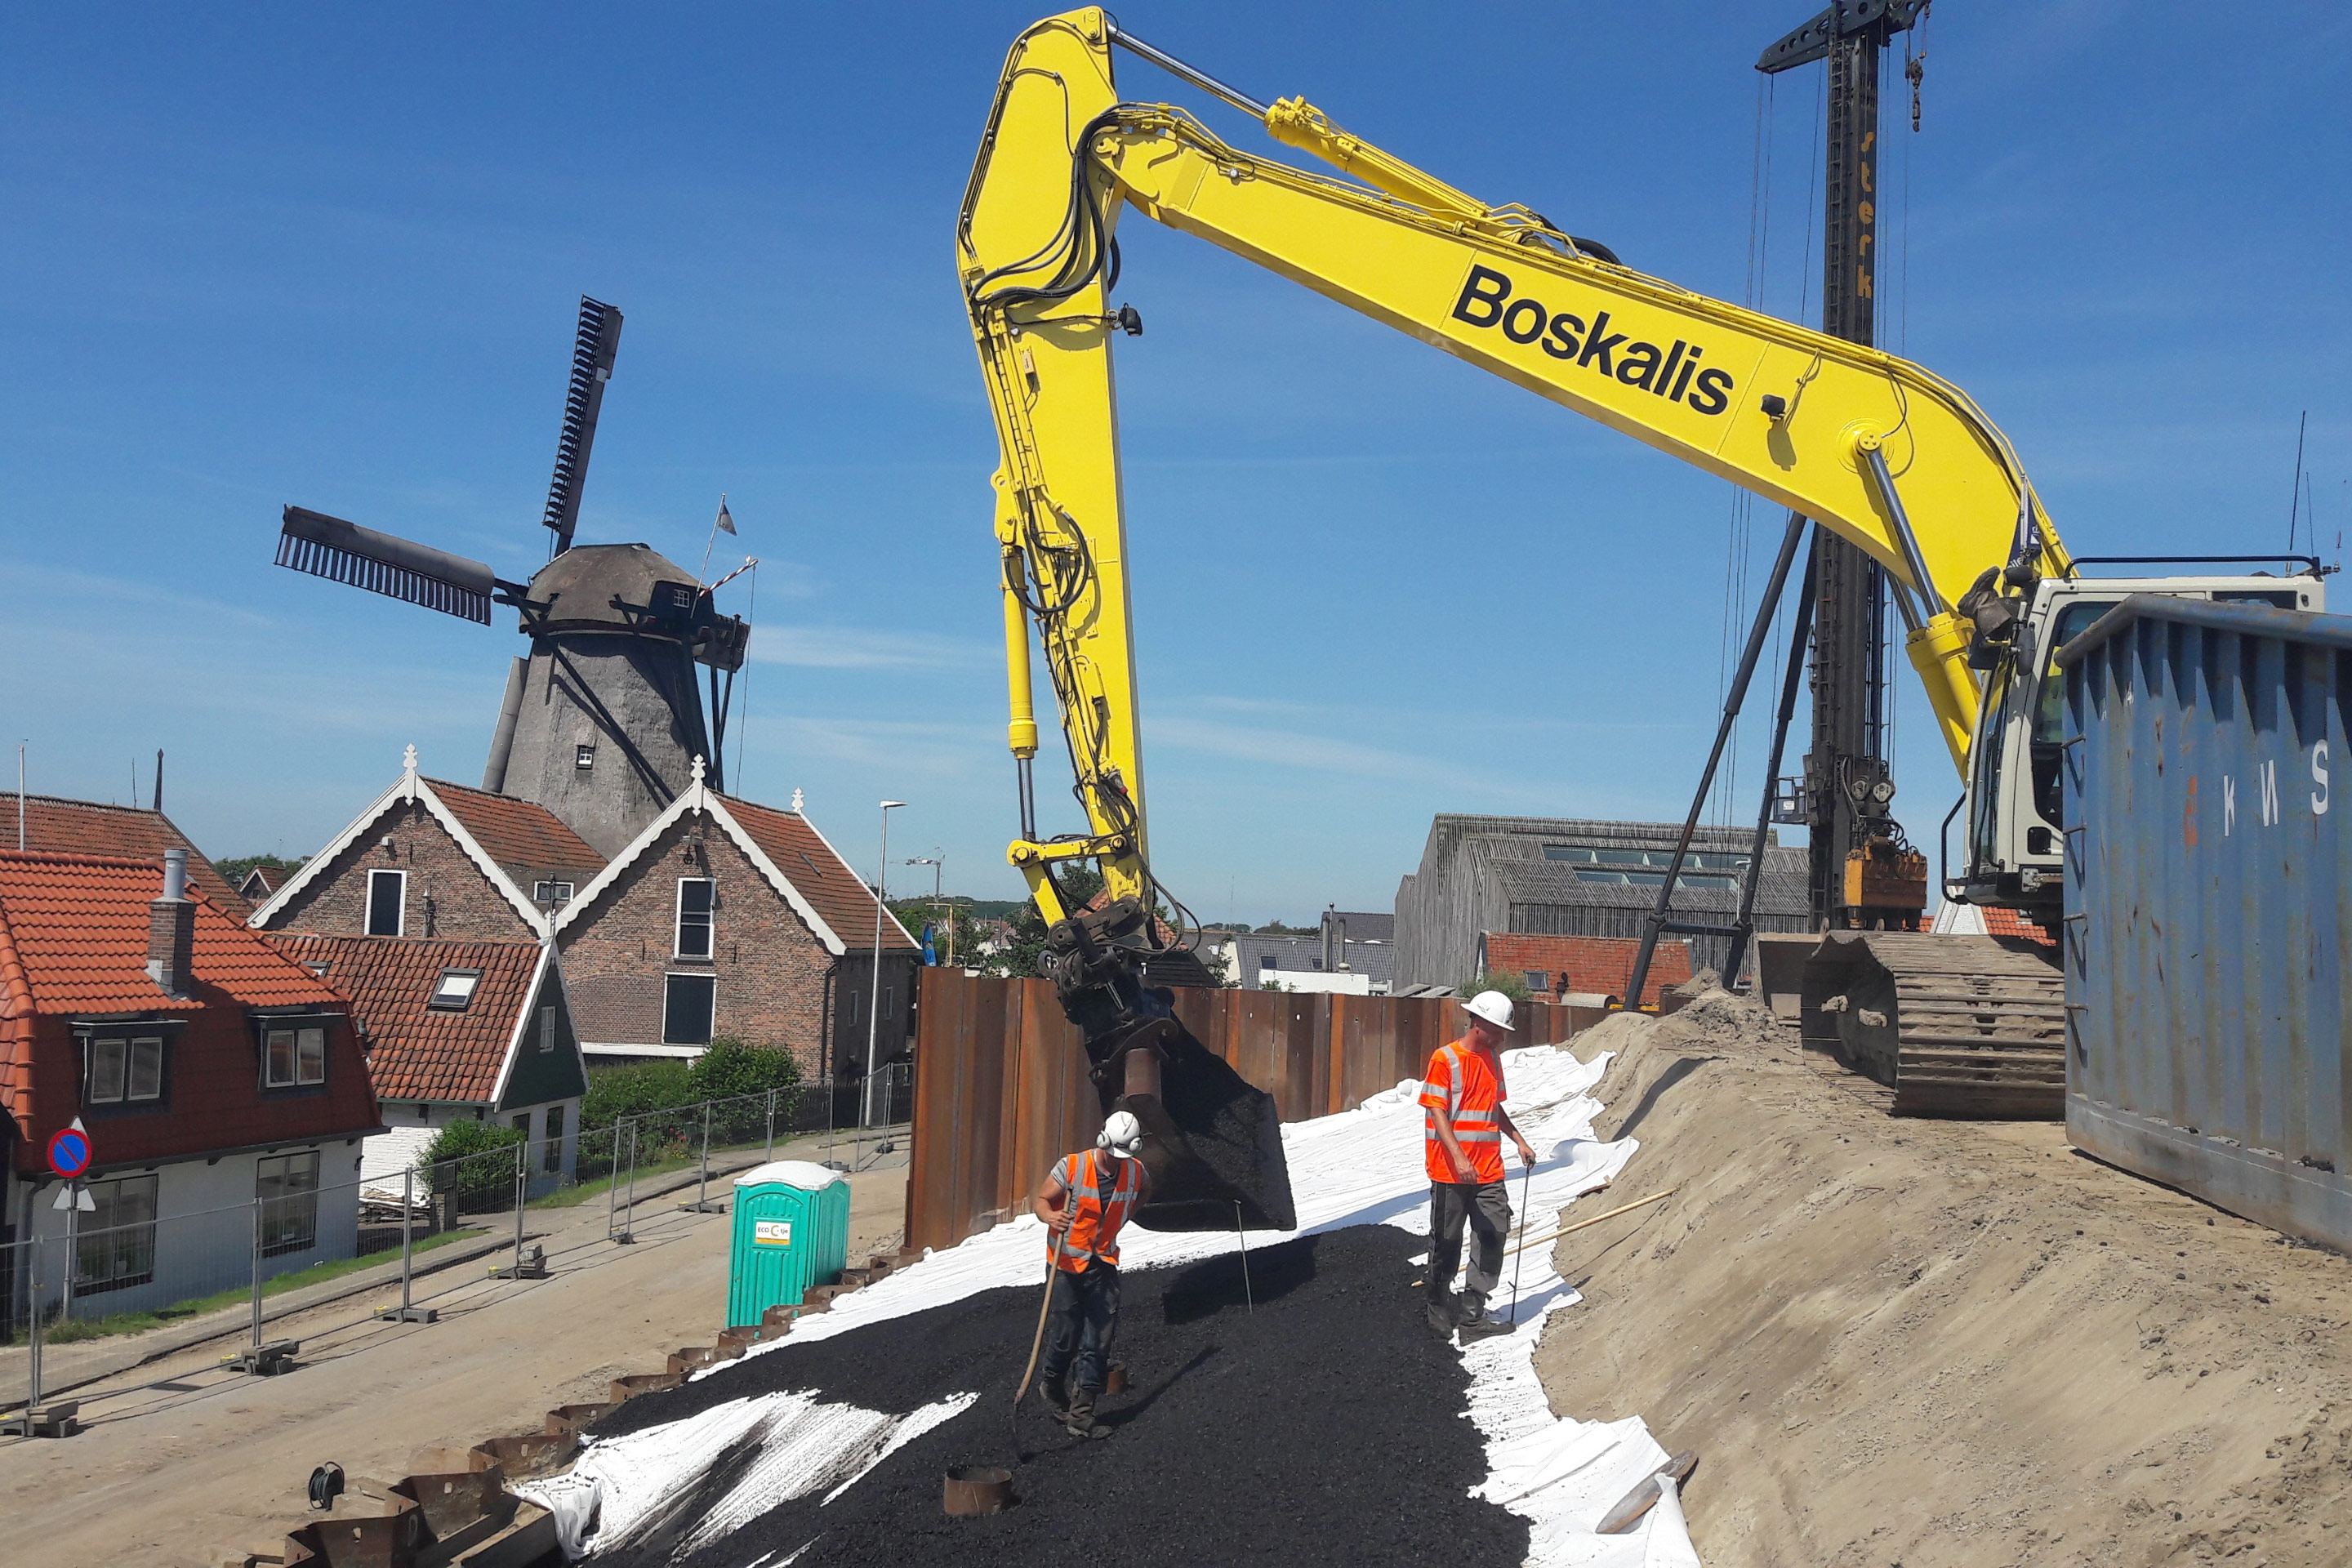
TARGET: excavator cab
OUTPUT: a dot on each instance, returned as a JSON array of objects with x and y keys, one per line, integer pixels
[{"x": 2015, "y": 844}]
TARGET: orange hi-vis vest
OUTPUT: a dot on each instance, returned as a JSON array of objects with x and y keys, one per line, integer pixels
[
  {"x": 1101, "y": 1193},
  {"x": 1467, "y": 1085}
]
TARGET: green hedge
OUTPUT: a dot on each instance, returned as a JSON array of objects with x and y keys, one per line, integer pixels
[{"x": 730, "y": 1071}]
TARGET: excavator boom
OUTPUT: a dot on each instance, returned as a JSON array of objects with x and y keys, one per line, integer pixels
[{"x": 1865, "y": 444}]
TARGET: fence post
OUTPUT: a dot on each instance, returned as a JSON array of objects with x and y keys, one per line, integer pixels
[
  {"x": 629, "y": 1215},
  {"x": 254, "y": 1359},
  {"x": 33, "y": 1395},
  {"x": 613, "y": 1186},
  {"x": 703, "y": 1177},
  {"x": 772, "y": 1125},
  {"x": 408, "y": 1311}
]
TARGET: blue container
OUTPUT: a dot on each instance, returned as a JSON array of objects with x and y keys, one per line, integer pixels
[
  {"x": 792, "y": 1233},
  {"x": 2208, "y": 878}
]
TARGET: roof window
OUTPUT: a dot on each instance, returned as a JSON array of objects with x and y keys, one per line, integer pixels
[{"x": 453, "y": 991}]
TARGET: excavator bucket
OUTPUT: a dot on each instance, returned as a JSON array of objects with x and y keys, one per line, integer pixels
[
  {"x": 1212, "y": 1144},
  {"x": 1211, "y": 1140}
]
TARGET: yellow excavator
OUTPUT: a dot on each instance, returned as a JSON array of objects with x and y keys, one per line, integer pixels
[{"x": 1871, "y": 447}]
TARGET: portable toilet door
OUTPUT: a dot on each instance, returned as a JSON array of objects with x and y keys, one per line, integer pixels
[{"x": 791, "y": 1233}]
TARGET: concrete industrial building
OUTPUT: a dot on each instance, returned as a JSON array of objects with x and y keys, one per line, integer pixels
[{"x": 1566, "y": 877}]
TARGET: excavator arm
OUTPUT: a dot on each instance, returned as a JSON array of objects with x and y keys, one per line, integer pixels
[{"x": 1869, "y": 446}]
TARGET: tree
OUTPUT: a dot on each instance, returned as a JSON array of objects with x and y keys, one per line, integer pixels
[
  {"x": 278, "y": 867},
  {"x": 1515, "y": 986},
  {"x": 1021, "y": 959}
]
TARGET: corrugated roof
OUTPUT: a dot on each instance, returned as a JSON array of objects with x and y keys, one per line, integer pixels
[
  {"x": 57, "y": 826},
  {"x": 76, "y": 927},
  {"x": 416, "y": 1051},
  {"x": 524, "y": 838},
  {"x": 1304, "y": 954},
  {"x": 1602, "y": 965},
  {"x": 843, "y": 900}
]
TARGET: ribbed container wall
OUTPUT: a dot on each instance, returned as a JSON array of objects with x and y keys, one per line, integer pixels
[{"x": 2208, "y": 875}]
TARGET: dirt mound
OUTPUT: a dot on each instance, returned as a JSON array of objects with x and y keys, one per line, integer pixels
[{"x": 1942, "y": 1343}]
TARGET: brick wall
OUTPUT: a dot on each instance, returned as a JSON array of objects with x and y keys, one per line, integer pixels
[
  {"x": 464, "y": 903},
  {"x": 770, "y": 967}
]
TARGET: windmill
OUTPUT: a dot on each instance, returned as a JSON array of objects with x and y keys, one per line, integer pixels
[{"x": 602, "y": 717}]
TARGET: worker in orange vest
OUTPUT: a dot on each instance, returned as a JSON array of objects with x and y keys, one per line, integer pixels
[
  {"x": 1085, "y": 1202},
  {"x": 1463, "y": 1128}
]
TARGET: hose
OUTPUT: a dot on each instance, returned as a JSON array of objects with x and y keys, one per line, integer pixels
[{"x": 1038, "y": 1341}]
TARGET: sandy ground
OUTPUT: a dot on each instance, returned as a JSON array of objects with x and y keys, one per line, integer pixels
[
  {"x": 1942, "y": 1343},
  {"x": 183, "y": 1460}
]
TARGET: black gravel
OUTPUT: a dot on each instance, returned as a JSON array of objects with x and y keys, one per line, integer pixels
[{"x": 1325, "y": 1427}]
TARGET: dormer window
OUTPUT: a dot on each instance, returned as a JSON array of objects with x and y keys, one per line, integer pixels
[
  {"x": 453, "y": 991},
  {"x": 122, "y": 1070}
]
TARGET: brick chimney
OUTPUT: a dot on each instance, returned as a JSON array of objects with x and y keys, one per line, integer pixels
[{"x": 171, "y": 927}]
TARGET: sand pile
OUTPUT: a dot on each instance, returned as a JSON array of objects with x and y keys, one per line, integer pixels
[{"x": 1942, "y": 1343}]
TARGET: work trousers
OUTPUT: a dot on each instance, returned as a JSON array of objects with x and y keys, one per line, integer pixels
[
  {"x": 1488, "y": 1210},
  {"x": 1084, "y": 1316}
]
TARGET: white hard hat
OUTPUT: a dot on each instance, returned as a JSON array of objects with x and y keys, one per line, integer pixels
[
  {"x": 1120, "y": 1134},
  {"x": 1492, "y": 1006}
]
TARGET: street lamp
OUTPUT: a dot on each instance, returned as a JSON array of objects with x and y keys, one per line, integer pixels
[
  {"x": 874, "y": 996},
  {"x": 937, "y": 860}
]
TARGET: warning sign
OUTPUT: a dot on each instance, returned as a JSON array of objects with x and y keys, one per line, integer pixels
[{"x": 771, "y": 1233}]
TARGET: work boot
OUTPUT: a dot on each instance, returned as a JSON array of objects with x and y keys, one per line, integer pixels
[
  {"x": 1476, "y": 1325},
  {"x": 1057, "y": 1397},
  {"x": 1079, "y": 1419}
]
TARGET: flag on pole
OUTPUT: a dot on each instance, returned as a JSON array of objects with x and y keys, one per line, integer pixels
[{"x": 726, "y": 523}]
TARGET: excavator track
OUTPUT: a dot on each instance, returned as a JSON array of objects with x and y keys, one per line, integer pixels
[{"x": 1956, "y": 1026}]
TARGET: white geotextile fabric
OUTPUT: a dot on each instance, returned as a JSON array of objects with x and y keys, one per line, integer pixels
[{"x": 1359, "y": 1167}]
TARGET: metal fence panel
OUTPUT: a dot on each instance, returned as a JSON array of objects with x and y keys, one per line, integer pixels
[{"x": 2207, "y": 885}]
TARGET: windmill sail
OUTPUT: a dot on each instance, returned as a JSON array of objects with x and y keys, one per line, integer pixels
[
  {"x": 345, "y": 553},
  {"x": 592, "y": 350}
]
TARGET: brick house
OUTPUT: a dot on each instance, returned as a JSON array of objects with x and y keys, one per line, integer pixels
[
  {"x": 458, "y": 1031},
  {"x": 213, "y": 1073},
  {"x": 432, "y": 859},
  {"x": 60, "y": 827},
  {"x": 729, "y": 918},
  {"x": 1558, "y": 966}
]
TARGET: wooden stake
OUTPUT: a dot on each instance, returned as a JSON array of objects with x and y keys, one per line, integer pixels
[{"x": 1596, "y": 1219}]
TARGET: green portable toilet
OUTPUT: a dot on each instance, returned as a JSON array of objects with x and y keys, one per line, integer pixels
[{"x": 791, "y": 1232}]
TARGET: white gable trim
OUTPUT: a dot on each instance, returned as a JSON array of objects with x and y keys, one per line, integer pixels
[
  {"x": 409, "y": 788},
  {"x": 585, "y": 899},
  {"x": 526, "y": 1014},
  {"x": 846, "y": 866},
  {"x": 777, "y": 879},
  {"x": 699, "y": 797}
]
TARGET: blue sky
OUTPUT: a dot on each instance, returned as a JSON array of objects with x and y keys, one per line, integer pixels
[{"x": 331, "y": 255}]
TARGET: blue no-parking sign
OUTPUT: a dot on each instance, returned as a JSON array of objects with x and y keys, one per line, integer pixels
[{"x": 69, "y": 1151}]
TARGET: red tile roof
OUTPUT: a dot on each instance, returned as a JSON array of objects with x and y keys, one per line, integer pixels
[
  {"x": 415, "y": 1051},
  {"x": 1589, "y": 963},
  {"x": 2010, "y": 923},
  {"x": 73, "y": 945},
  {"x": 521, "y": 836},
  {"x": 78, "y": 927},
  {"x": 840, "y": 899},
  {"x": 61, "y": 826}
]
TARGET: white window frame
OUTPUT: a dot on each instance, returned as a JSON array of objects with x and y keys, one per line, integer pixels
[
  {"x": 367, "y": 918},
  {"x": 709, "y": 916},
  {"x": 125, "y": 1093},
  {"x": 708, "y": 978},
  {"x": 463, "y": 1002},
  {"x": 294, "y": 1033},
  {"x": 547, "y": 1028},
  {"x": 128, "y": 1243},
  {"x": 302, "y": 1202}
]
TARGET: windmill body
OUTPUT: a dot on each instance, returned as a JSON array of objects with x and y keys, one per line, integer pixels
[{"x": 603, "y": 717}]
